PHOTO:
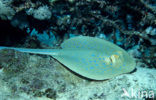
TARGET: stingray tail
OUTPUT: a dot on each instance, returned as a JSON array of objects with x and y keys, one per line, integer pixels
[{"x": 35, "y": 51}]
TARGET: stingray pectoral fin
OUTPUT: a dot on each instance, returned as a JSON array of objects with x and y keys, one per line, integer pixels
[{"x": 86, "y": 63}]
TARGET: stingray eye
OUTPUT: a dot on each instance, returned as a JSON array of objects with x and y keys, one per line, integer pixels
[
  {"x": 114, "y": 58},
  {"x": 107, "y": 60}
]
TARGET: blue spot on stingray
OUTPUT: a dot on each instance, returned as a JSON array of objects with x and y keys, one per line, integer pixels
[
  {"x": 101, "y": 72},
  {"x": 124, "y": 65},
  {"x": 103, "y": 64},
  {"x": 91, "y": 67},
  {"x": 77, "y": 46},
  {"x": 120, "y": 66},
  {"x": 93, "y": 55},
  {"x": 86, "y": 68},
  {"x": 96, "y": 65},
  {"x": 110, "y": 69},
  {"x": 99, "y": 58},
  {"x": 90, "y": 61},
  {"x": 83, "y": 60}
]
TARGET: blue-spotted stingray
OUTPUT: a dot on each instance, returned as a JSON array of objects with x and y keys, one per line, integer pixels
[{"x": 89, "y": 57}]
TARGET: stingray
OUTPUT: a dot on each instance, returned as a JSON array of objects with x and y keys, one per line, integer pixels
[{"x": 89, "y": 57}]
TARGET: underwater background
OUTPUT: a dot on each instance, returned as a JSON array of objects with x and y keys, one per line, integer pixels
[{"x": 45, "y": 24}]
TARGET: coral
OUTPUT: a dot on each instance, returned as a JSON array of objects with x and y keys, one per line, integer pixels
[
  {"x": 44, "y": 38},
  {"x": 6, "y": 12},
  {"x": 42, "y": 13}
]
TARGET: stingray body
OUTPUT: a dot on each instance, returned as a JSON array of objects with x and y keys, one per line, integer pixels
[{"x": 90, "y": 57}]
